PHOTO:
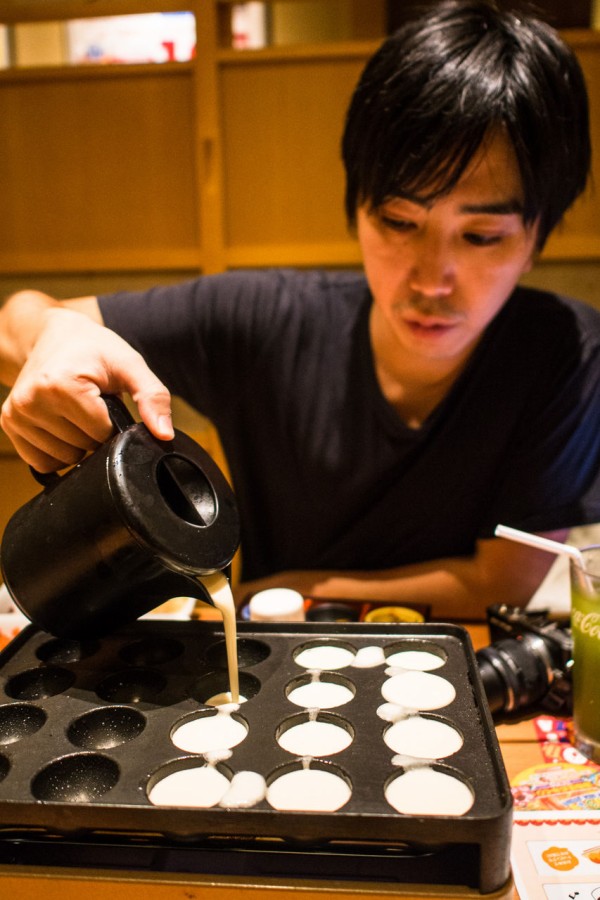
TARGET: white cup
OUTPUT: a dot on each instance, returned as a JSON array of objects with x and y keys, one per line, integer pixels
[{"x": 277, "y": 605}]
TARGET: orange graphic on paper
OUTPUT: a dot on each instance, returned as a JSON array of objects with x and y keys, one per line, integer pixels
[
  {"x": 593, "y": 854},
  {"x": 560, "y": 858}
]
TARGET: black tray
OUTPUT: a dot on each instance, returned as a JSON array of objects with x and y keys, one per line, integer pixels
[{"x": 65, "y": 779}]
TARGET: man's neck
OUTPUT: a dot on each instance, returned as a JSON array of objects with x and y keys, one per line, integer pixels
[{"x": 412, "y": 384}]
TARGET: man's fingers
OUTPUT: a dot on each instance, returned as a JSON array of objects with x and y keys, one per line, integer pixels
[
  {"x": 64, "y": 422},
  {"x": 149, "y": 394},
  {"x": 42, "y": 461},
  {"x": 55, "y": 412},
  {"x": 155, "y": 411}
]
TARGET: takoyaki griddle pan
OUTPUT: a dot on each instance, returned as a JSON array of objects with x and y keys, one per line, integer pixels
[{"x": 86, "y": 732}]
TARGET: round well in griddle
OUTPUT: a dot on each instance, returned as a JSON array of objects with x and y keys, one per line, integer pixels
[
  {"x": 418, "y": 690},
  {"x": 317, "y": 786},
  {"x": 209, "y": 731},
  {"x": 190, "y": 782},
  {"x": 81, "y": 778},
  {"x": 325, "y": 654},
  {"x": 19, "y": 720},
  {"x": 132, "y": 686},
  {"x": 326, "y": 691},
  {"x": 419, "y": 655},
  {"x": 433, "y": 790},
  {"x": 65, "y": 650},
  {"x": 424, "y": 737},
  {"x": 106, "y": 727},
  {"x": 214, "y": 683},
  {"x": 38, "y": 684},
  {"x": 314, "y": 734},
  {"x": 250, "y": 652},
  {"x": 152, "y": 651}
]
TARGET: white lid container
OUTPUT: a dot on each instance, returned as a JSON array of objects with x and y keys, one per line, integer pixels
[{"x": 277, "y": 605}]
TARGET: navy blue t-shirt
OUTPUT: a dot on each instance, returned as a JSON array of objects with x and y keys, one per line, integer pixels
[{"x": 326, "y": 473}]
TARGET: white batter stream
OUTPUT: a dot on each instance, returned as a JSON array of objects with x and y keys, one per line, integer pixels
[{"x": 222, "y": 598}]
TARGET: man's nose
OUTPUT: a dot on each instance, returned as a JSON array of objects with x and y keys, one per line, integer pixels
[{"x": 433, "y": 271}]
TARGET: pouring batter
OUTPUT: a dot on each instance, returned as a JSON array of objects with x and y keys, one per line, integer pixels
[{"x": 222, "y": 597}]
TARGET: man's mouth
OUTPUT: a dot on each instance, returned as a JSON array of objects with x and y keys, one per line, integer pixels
[{"x": 430, "y": 324}]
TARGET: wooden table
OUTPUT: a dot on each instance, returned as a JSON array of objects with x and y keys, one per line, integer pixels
[{"x": 520, "y": 750}]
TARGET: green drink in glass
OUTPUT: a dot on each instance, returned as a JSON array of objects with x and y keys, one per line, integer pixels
[{"x": 585, "y": 624}]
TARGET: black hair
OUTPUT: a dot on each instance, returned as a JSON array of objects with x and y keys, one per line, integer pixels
[{"x": 442, "y": 83}]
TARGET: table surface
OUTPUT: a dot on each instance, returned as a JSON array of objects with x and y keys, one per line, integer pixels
[{"x": 520, "y": 750}]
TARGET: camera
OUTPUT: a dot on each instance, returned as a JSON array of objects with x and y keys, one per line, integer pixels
[{"x": 528, "y": 662}]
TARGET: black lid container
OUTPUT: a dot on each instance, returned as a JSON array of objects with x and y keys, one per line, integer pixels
[{"x": 136, "y": 523}]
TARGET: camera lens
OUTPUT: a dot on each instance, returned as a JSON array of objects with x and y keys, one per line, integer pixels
[{"x": 515, "y": 672}]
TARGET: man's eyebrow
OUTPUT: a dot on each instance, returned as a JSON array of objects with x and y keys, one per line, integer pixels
[
  {"x": 490, "y": 208},
  {"x": 502, "y": 208}
]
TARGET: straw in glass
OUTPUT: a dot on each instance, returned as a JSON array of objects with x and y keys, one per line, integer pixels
[{"x": 534, "y": 540}]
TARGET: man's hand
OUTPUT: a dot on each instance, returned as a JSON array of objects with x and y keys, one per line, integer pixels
[{"x": 54, "y": 414}]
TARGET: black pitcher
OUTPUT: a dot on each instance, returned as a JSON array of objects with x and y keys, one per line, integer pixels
[{"x": 137, "y": 522}]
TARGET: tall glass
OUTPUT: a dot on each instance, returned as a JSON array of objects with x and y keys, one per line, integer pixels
[{"x": 585, "y": 624}]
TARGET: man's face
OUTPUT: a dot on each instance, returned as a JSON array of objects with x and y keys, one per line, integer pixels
[{"x": 439, "y": 272}]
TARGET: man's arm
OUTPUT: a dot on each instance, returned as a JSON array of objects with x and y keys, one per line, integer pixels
[
  {"x": 500, "y": 572},
  {"x": 59, "y": 358}
]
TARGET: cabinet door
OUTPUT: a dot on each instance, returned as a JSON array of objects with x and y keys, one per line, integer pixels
[
  {"x": 283, "y": 183},
  {"x": 98, "y": 169}
]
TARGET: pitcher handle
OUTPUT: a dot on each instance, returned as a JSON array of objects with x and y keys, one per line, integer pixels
[
  {"x": 121, "y": 419},
  {"x": 118, "y": 412}
]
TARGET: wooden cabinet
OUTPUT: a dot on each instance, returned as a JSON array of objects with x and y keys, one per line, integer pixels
[{"x": 230, "y": 160}]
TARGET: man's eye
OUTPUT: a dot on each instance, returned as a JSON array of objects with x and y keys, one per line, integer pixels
[
  {"x": 482, "y": 240},
  {"x": 401, "y": 225}
]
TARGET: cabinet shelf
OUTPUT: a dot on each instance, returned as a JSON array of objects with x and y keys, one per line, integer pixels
[{"x": 49, "y": 74}]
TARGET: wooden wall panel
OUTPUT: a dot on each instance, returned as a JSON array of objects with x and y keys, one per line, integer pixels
[
  {"x": 579, "y": 236},
  {"x": 101, "y": 165},
  {"x": 282, "y": 122},
  {"x": 115, "y": 169}
]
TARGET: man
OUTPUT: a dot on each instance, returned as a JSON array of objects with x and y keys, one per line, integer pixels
[{"x": 377, "y": 428}]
